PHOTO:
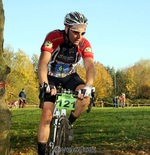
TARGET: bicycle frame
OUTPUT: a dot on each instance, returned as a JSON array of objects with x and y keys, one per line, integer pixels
[{"x": 59, "y": 115}]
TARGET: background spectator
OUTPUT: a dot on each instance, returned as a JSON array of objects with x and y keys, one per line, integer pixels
[
  {"x": 123, "y": 100},
  {"x": 22, "y": 98}
]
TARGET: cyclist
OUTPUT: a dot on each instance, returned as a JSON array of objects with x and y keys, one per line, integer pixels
[{"x": 60, "y": 53}]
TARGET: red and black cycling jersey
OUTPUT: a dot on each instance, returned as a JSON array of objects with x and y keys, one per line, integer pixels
[{"x": 65, "y": 55}]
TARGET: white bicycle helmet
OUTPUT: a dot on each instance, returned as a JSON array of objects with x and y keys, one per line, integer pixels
[{"x": 75, "y": 18}]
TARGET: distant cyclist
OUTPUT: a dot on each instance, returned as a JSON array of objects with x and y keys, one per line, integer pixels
[
  {"x": 22, "y": 98},
  {"x": 60, "y": 53}
]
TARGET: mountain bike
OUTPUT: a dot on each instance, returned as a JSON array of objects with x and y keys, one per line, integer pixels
[
  {"x": 59, "y": 142},
  {"x": 59, "y": 128}
]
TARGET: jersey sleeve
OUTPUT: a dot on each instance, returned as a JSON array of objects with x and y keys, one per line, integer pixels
[
  {"x": 87, "y": 50},
  {"x": 51, "y": 41}
]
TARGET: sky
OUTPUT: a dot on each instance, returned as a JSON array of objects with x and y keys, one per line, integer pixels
[{"x": 118, "y": 30}]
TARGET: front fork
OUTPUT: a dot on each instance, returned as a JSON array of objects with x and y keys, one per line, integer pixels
[
  {"x": 56, "y": 126},
  {"x": 57, "y": 115}
]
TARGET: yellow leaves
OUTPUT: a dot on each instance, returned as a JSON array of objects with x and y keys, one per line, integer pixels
[
  {"x": 103, "y": 81},
  {"x": 138, "y": 80},
  {"x": 22, "y": 75}
]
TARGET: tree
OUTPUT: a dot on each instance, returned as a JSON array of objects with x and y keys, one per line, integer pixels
[
  {"x": 103, "y": 82},
  {"x": 131, "y": 84},
  {"x": 113, "y": 74},
  {"x": 35, "y": 60},
  {"x": 137, "y": 79},
  {"x": 5, "y": 116},
  {"x": 120, "y": 82},
  {"x": 22, "y": 75}
]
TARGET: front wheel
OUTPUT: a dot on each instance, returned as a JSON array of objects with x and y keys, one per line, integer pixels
[
  {"x": 51, "y": 143},
  {"x": 62, "y": 138}
]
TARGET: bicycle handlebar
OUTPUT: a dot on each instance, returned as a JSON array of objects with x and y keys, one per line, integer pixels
[
  {"x": 60, "y": 90},
  {"x": 64, "y": 91}
]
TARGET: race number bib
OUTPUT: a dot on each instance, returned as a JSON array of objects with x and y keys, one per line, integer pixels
[{"x": 66, "y": 101}]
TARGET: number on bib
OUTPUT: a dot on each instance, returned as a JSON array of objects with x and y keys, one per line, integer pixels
[{"x": 66, "y": 101}]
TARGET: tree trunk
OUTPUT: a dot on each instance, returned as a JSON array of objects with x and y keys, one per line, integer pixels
[{"x": 5, "y": 115}]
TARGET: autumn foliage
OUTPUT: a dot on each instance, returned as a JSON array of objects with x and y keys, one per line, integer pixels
[
  {"x": 23, "y": 75},
  {"x": 134, "y": 81}
]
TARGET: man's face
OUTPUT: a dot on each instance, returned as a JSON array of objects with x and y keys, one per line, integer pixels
[{"x": 76, "y": 36}]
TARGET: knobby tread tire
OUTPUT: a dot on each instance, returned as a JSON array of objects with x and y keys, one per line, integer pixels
[
  {"x": 49, "y": 151},
  {"x": 62, "y": 138}
]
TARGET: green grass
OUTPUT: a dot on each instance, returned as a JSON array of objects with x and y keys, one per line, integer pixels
[{"x": 117, "y": 131}]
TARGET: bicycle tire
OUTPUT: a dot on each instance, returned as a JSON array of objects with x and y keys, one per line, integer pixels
[
  {"x": 50, "y": 150},
  {"x": 62, "y": 138}
]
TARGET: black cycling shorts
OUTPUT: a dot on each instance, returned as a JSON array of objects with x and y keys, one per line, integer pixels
[{"x": 68, "y": 82}]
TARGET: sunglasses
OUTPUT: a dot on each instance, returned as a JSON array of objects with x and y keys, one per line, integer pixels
[{"x": 76, "y": 32}]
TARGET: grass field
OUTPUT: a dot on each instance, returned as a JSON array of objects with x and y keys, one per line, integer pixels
[{"x": 110, "y": 131}]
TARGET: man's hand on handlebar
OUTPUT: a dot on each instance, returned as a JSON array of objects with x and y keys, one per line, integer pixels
[
  {"x": 51, "y": 89},
  {"x": 46, "y": 88}
]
